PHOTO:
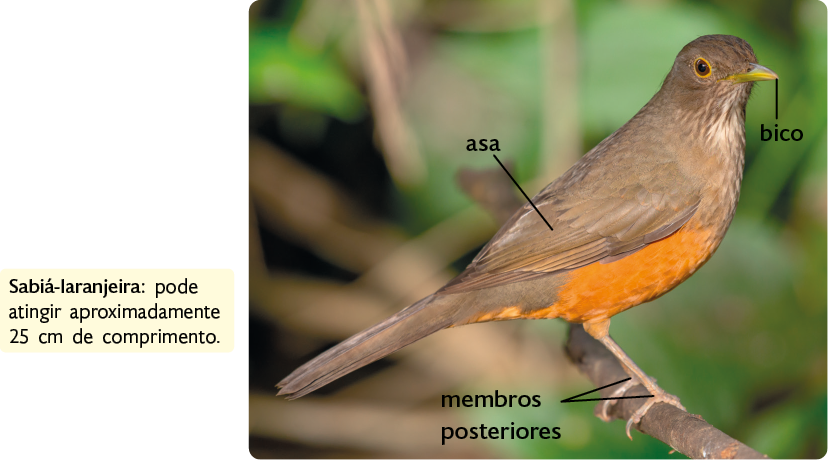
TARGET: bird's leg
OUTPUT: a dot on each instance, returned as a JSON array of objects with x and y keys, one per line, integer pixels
[
  {"x": 600, "y": 331},
  {"x": 634, "y": 371}
]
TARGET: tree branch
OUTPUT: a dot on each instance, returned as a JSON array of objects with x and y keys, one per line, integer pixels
[{"x": 684, "y": 432}]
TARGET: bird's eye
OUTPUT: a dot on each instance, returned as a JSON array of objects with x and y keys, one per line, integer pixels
[{"x": 702, "y": 68}]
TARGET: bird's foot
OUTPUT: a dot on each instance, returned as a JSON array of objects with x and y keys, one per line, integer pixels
[
  {"x": 659, "y": 395},
  {"x": 604, "y": 407}
]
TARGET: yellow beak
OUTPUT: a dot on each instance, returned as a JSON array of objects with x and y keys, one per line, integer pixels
[{"x": 756, "y": 73}]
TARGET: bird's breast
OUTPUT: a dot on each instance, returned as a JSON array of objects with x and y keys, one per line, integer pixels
[{"x": 599, "y": 291}]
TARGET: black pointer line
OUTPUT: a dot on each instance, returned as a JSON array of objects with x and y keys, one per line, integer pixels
[
  {"x": 572, "y": 399},
  {"x": 777, "y": 98},
  {"x": 524, "y": 193}
]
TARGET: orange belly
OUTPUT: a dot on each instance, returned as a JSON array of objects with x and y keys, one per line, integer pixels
[{"x": 598, "y": 291}]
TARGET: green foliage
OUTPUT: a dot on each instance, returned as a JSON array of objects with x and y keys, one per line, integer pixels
[
  {"x": 282, "y": 71},
  {"x": 627, "y": 50}
]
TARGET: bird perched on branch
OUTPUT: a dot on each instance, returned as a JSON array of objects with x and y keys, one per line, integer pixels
[{"x": 633, "y": 218}]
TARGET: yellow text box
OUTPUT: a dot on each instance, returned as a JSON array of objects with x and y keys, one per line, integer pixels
[{"x": 116, "y": 310}]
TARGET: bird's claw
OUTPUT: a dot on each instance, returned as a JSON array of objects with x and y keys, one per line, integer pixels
[
  {"x": 620, "y": 391},
  {"x": 660, "y": 396}
]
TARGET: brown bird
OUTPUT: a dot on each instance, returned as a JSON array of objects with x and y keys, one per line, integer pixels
[{"x": 633, "y": 218}]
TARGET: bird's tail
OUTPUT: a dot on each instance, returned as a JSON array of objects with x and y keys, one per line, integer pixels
[{"x": 419, "y": 320}]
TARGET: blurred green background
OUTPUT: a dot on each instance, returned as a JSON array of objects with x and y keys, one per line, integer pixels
[{"x": 360, "y": 113}]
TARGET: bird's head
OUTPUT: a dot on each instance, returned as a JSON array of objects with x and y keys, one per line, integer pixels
[
  {"x": 716, "y": 70},
  {"x": 707, "y": 90}
]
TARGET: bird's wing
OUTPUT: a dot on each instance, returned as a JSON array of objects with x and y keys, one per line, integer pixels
[{"x": 592, "y": 222}]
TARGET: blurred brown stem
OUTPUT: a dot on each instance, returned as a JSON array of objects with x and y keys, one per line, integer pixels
[
  {"x": 379, "y": 42},
  {"x": 560, "y": 130},
  {"x": 492, "y": 190},
  {"x": 306, "y": 208}
]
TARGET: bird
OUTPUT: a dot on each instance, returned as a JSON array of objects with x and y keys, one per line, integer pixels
[{"x": 628, "y": 222}]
